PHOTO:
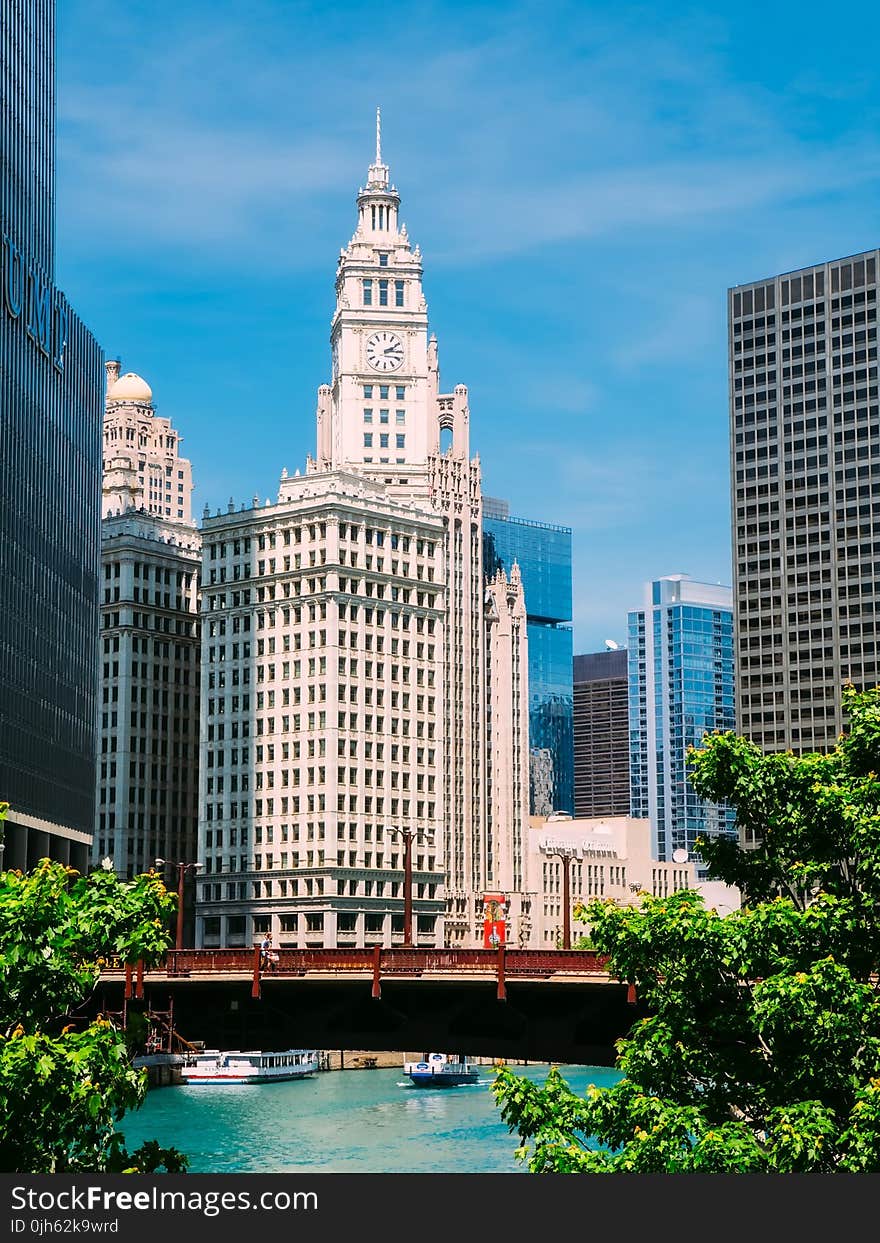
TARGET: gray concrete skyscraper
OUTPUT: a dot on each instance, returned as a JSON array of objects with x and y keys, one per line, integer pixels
[{"x": 805, "y": 496}]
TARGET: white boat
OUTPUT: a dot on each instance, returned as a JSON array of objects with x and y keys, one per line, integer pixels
[
  {"x": 441, "y": 1070},
  {"x": 252, "y": 1066}
]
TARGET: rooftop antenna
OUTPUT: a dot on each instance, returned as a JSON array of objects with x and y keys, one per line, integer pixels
[{"x": 378, "y": 135}]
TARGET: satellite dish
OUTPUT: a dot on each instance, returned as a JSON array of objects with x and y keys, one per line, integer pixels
[
  {"x": 680, "y": 855},
  {"x": 611, "y": 645}
]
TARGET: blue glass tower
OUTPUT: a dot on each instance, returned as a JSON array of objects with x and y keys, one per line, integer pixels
[
  {"x": 681, "y": 686},
  {"x": 543, "y": 552},
  {"x": 51, "y": 406}
]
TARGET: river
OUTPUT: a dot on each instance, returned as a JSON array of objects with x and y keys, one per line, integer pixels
[{"x": 347, "y": 1121}]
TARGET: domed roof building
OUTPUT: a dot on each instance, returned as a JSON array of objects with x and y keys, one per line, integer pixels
[
  {"x": 150, "y": 555},
  {"x": 143, "y": 468},
  {"x": 130, "y": 388}
]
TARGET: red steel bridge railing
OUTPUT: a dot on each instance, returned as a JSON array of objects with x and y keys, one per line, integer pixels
[
  {"x": 536, "y": 964},
  {"x": 376, "y": 961}
]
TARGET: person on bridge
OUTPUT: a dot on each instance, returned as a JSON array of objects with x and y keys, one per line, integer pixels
[{"x": 268, "y": 959}]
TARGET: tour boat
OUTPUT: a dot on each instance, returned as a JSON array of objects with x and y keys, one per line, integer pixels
[
  {"x": 253, "y": 1066},
  {"x": 441, "y": 1070}
]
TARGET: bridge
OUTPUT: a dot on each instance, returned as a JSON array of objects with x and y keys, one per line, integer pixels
[{"x": 539, "y": 1005}]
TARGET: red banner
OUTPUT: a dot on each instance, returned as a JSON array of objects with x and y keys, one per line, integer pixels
[{"x": 494, "y": 925}]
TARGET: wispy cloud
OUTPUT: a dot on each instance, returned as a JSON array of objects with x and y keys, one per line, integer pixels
[
  {"x": 612, "y": 485},
  {"x": 189, "y": 182},
  {"x": 218, "y": 141},
  {"x": 680, "y": 327}
]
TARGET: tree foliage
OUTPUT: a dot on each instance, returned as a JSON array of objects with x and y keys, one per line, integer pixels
[
  {"x": 760, "y": 1046},
  {"x": 64, "y": 1081}
]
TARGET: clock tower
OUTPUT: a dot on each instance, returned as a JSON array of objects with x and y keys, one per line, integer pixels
[
  {"x": 456, "y": 683},
  {"x": 378, "y": 412}
]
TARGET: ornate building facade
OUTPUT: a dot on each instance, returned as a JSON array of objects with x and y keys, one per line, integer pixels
[
  {"x": 362, "y": 682},
  {"x": 143, "y": 468},
  {"x": 148, "y": 714}
]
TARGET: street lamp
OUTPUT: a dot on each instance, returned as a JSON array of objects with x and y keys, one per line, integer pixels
[
  {"x": 408, "y": 835},
  {"x": 4, "y": 808},
  {"x": 182, "y": 869},
  {"x": 566, "y": 854}
]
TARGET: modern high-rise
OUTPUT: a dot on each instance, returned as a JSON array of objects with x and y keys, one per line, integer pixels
[
  {"x": 681, "y": 687},
  {"x": 601, "y": 734},
  {"x": 364, "y": 687},
  {"x": 148, "y": 725},
  {"x": 543, "y": 553},
  {"x": 51, "y": 391},
  {"x": 805, "y": 497}
]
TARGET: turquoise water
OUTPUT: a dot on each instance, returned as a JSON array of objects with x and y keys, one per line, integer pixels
[{"x": 346, "y": 1121}]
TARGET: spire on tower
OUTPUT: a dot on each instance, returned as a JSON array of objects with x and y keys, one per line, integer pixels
[{"x": 377, "y": 178}]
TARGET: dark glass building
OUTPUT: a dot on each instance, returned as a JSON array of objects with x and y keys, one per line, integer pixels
[
  {"x": 51, "y": 405},
  {"x": 601, "y": 734},
  {"x": 543, "y": 553}
]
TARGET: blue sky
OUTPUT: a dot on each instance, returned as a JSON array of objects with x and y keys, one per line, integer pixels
[{"x": 585, "y": 181}]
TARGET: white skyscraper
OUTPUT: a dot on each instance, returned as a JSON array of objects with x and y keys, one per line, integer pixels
[{"x": 349, "y": 702}]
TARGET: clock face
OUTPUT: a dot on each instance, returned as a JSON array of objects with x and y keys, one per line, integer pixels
[{"x": 384, "y": 351}]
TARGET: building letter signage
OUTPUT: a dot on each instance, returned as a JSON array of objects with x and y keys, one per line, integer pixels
[
  {"x": 39, "y": 312},
  {"x": 14, "y": 278},
  {"x": 62, "y": 323},
  {"x": 48, "y": 320}
]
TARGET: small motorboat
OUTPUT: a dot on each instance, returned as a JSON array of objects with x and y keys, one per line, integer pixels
[{"x": 441, "y": 1070}]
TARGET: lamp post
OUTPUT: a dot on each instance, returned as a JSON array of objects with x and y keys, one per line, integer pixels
[
  {"x": 566, "y": 854},
  {"x": 408, "y": 835},
  {"x": 4, "y": 808},
  {"x": 182, "y": 869}
]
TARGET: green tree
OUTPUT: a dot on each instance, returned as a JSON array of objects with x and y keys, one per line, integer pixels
[
  {"x": 760, "y": 1046},
  {"x": 65, "y": 1081}
]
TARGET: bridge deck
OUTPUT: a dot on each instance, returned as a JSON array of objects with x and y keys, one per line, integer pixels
[
  {"x": 429, "y": 964},
  {"x": 398, "y": 962}
]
